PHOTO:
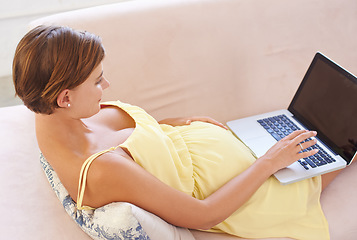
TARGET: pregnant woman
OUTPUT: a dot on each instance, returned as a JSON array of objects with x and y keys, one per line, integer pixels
[{"x": 190, "y": 171}]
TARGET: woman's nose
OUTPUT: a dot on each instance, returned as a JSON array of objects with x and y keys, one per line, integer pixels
[{"x": 105, "y": 84}]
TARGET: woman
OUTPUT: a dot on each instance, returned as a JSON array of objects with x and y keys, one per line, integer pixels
[{"x": 192, "y": 172}]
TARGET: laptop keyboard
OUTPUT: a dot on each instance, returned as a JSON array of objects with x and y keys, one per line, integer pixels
[{"x": 281, "y": 126}]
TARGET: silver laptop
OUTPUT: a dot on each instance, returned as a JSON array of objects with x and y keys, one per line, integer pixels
[{"x": 326, "y": 101}]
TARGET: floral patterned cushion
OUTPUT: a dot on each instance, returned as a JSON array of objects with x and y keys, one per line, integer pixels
[{"x": 112, "y": 221}]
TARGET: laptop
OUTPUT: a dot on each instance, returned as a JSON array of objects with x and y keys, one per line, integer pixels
[{"x": 326, "y": 101}]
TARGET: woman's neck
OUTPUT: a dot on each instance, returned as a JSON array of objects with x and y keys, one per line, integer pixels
[
  {"x": 61, "y": 121},
  {"x": 61, "y": 131}
]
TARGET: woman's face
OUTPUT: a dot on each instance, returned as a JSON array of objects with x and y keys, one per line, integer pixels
[{"x": 85, "y": 99}]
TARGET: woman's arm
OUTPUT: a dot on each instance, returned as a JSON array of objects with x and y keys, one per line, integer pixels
[{"x": 116, "y": 178}]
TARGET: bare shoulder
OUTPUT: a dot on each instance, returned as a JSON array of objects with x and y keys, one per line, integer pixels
[
  {"x": 111, "y": 178},
  {"x": 114, "y": 117}
]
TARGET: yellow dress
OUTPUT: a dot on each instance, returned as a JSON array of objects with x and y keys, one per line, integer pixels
[{"x": 199, "y": 158}]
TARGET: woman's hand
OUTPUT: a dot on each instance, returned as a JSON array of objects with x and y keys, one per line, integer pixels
[
  {"x": 289, "y": 149},
  {"x": 180, "y": 121}
]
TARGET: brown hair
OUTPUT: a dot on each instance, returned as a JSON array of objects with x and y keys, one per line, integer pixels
[{"x": 49, "y": 59}]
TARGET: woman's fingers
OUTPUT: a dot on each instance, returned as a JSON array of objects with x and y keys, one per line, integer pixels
[
  {"x": 291, "y": 148},
  {"x": 300, "y": 136},
  {"x": 294, "y": 134},
  {"x": 304, "y": 135},
  {"x": 302, "y": 146},
  {"x": 179, "y": 121},
  {"x": 301, "y": 140},
  {"x": 302, "y": 152},
  {"x": 307, "y": 153},
  {"x": 205, "y": 119}
]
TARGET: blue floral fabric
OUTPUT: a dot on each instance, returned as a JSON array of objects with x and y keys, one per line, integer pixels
[{"x": 114, "y": 221}]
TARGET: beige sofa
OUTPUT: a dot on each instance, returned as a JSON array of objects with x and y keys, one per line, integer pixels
[{"x": 221, "y": 58}]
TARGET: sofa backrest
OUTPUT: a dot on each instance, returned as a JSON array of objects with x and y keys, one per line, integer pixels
[{"x": 221, "y": 58}]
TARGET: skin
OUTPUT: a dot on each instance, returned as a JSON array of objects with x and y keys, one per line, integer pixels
[{"x": 83, "y": 128}]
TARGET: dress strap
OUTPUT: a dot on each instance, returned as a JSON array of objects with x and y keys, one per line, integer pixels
[{"x": 83, "y": 178}]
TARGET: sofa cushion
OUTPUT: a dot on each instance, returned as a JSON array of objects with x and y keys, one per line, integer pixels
[{"x": 112, "y": 221}]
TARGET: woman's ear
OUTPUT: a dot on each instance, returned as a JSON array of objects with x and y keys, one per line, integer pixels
[{"x": 63, "y": 99}]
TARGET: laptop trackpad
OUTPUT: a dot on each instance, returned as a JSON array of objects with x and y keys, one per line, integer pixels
[{"x": 260, "y": 145}]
